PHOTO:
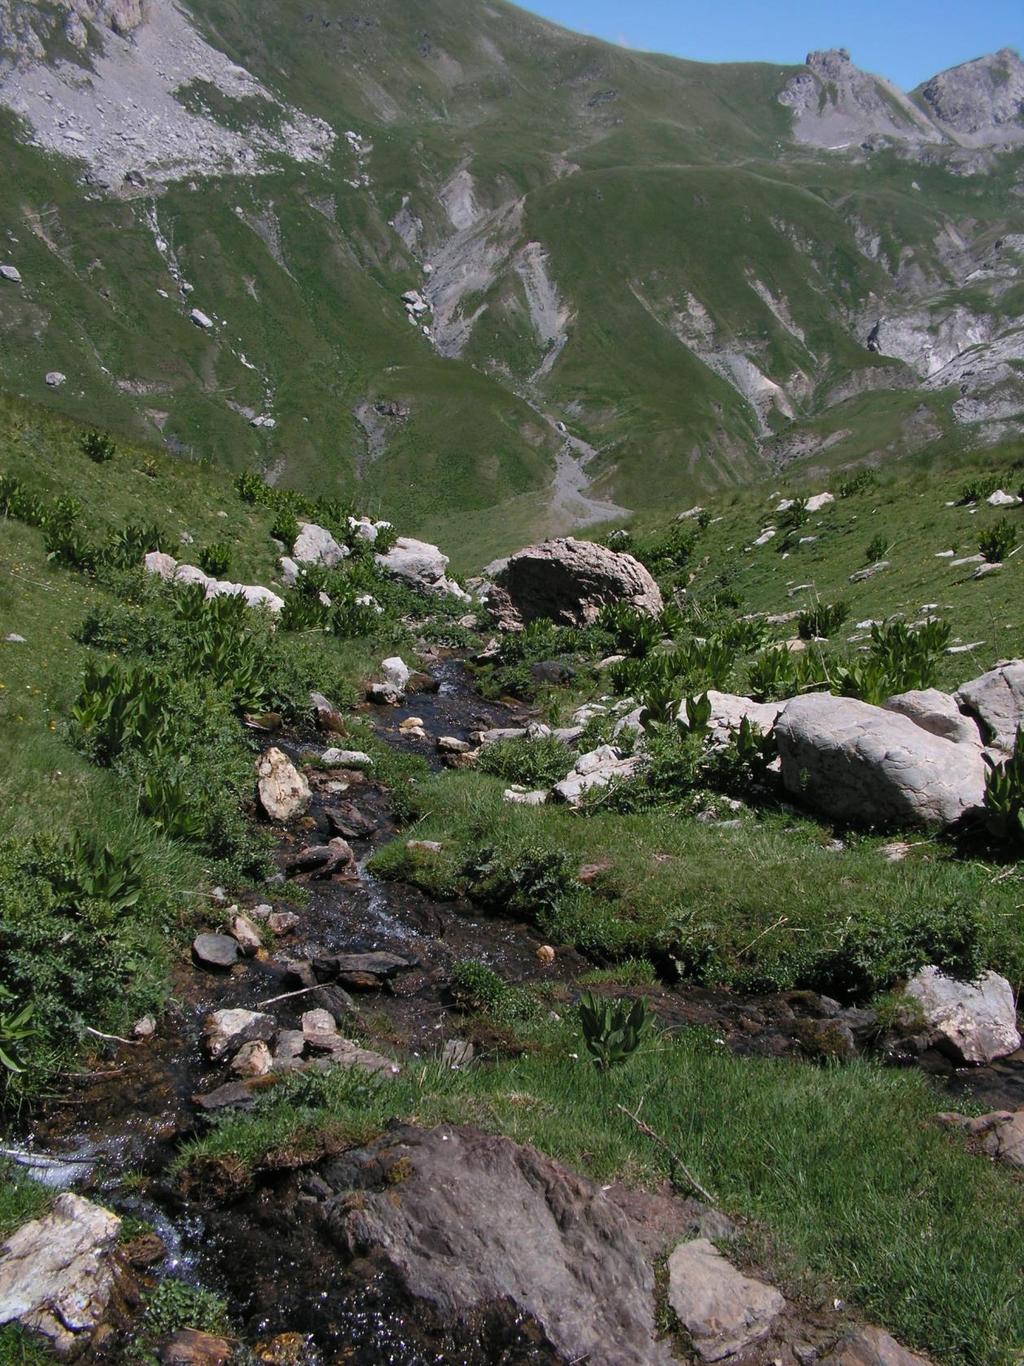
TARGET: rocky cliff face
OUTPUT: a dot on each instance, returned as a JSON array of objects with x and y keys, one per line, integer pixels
[
  {"x": 980, "y": 101},
  {"x": 837, "y": 105}
]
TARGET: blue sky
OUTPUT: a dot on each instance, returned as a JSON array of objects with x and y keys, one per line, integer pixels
[{"x": 906, "y": 40}]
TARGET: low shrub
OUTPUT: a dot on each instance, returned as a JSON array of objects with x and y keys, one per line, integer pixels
[
  {"x": 480, "y": 990},
  {"x": 860, "y": 482},
  {"x": 98, "y": 447},
  {"x": 531, "y": 763},
  {"x": 612, "y": 1030},
  {"x": 215, "y": 560},
  {"x": 997, "y": 542},
  {"x": 822, "y": 620}
]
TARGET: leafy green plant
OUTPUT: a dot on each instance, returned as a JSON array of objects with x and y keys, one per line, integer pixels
[
  {"x": 1004, "y": 794},
  {"x": 285, "y": 527},
  {"x": 15, "y": 1028},
  {"x": 858, "y": 483},
  {"x": 127, "y": 547},
  {"x": 822, "y": 619},
  {"x": 901, "y": 658},
  {"x": 98, "y": 447},
  {"x": 997, "y": 542},
  {"x": 612, "y": 1030},
  {"x": 877, "y": 549},
  {"x": 123, "y": 706},
  {"x": 68, "y": 546},
  {"x": 698, "y": 716},
  {"x": 975, "y": 490},
  {"x": 795, "y": 516},
  {"x": 215, "y": 560},
  {"x": 635, "y": 633}
]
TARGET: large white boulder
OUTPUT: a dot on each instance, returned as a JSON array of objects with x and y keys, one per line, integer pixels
[
  {"x": 315, "y": 545},
  {"x": 997, "y": 700},
  {"x": 728, "y": 711},
  {"x": 976, "y": 1021},
  {"x": 422, "y": 565},
  {"x": 570, "y": 581},
  {"x": 853, "y": 761},
  {"x": 57, "y": 1273}
]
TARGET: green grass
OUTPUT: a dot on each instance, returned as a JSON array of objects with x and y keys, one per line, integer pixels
[
  {"x": 20, "y": 1199},
  {"x": 851, "y": 1187},
  {"x": 766, "y": 906}
]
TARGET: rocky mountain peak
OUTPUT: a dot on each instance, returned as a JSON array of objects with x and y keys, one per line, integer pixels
[
  {"x": 835, "y": 104},
  {"x": 832, "y": 64},
  {"x": 980, "y": 100}
]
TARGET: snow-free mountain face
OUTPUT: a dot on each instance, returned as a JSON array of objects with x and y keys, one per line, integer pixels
[{"x": 468, "y": 261}]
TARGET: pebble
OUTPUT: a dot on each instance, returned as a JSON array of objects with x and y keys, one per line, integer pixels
[
  {"x": 215, "y": 950},
  {"x": 282, "y": 922}
]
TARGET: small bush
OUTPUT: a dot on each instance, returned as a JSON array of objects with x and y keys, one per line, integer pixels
[
  {"x": 215, "y": 560},
  {"x": 876, "y": 550},
  {"x": 975, "y": 490},
  {"x": 998, "y": 541},
  {"x": 795, "y": 516},
  {"x": 285, "y": 527},
  {"x": 858, "y": 483},
  {"x": 479, "y": 989},
  {"x": 98, "y": 447},
  {"x": 531, "y": 763}
]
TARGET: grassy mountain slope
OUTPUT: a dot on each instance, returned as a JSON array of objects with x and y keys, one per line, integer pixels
[{"x": 627, "y": 243}]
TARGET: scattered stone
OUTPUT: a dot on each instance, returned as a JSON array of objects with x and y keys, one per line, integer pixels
[
  {"x": 983, "y": 570},
  {"x": 518, "y": 797},
  {"x": 201, "y": 319},
  {"x": 596, "y": 769},
  {"x": 362, "y": 970},
  {"x": 347, "y": 820},
  {"x": 768, "y": 534},
  {"x": 11, "y": 273},
  {"x": 54, "y": 378},
  {"x": 224, "y": 1030},
  {"x": 252, "y": 1060},
  {"x": 14, "y": 639},
  {"x": 282, "y": 922},
  {"x": 1002, "y": 499},
  {"x": 396, "y": 672},
  {"x": 328, "y": 717},
  {"x": 215, "y": 950},
  {"x": 997, "y": 700},
  {"x": 411, "y": 723},
  {"x": 963, "y": 649},
  {"x": 283, "y": 791},
  {"x": 248, "y": 936},
  {"x": 423, "y": 846},
  {"x": 420, "y": 682},
  {"x": 944, "y": 554},
  {"x": 457, "y": 1053},
  {"x": 724, "y": 1311},
  {"x": 967, "y": 559},
  {"x": 492, "y": 737},
  {"x": 234, "y": 1095},
  {"x": 323, "y": 860},
  {"x": 872, "y": 1347},
  {"x": 57, "y": 1274},
  {"x": 728, "y": 711},
  {"x": 346, "y": 758},
  {"x": 189, "y": 1347},
  {"x": 1001, "y": 1133},
  {"x": 895, "y": 852},
  {"x": 870, "y": 572},
  {"x": 288, "y": 1047},
  {"x": 319, "y": 1029},
  {"x": 570, "y": 581},
  {"x": 851, "y": 760},
  {"x": 545, "y": 954},
  {"x": 144, "y": 1028},
  {"x": 383, "y": 695},
  {"x": 976, "y": 1022},
  {"x": 450, "y": 744}
]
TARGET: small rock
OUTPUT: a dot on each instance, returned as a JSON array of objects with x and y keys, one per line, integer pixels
[
  {"x": 1001, "y": 1133},
  {"x": 189, "y": 1347},
  {"x": 1002, "y": 499},
  {"x": 14, "y": 639},
  {"x": 11, "y": 273},
  {"x": 224, "y": 1030},
  {"x": 457, "y": 1053},
  {"x": 328, "y": 717},
  {"x": 282, "y": 922},
  {"x": 724, "y": 1311},
  {"x": 283, "y": 791},
  {"x": 449, "y": 744},
  {"x": 234, "y": 1095},
  {"x": 423, "y": 846},
  {"x": 252, "y": 1060},
  {"x": 422, "y": 683},
  {"x": 983, "y": 570},
  {"x": 396, "y": 672},
  {"x": 383, "y": 694},
  {"x": 862, "y": 574},
  {"x": 323, "y": 860},
  {"x": 144, "y": 1028},
  {"x": 411, "y": 723},
  {"x": 215, "y": 950},
  {"x": 320, "y": 1029},
  {"x": 54, "y": 378},
  {"x": 201, "y": 319},
  {"x": 872, "y": 1347},
  {"x": 245, "y": 932},
  {"x": 545, "y": 954},
  {"x": 896, "y": 851},
  {"x": 346, "y": 758},
  {"x": 288, "y": 1047},
  {"x": 517, "y": 798}
]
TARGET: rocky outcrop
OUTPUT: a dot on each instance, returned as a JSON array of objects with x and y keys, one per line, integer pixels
[
  {"x": 724, "y": 1311},
  {"x": 872, "y": 1347},
  {"x": 57, "y": 1274},
  {"x": 997, "y": 700},
  {"x": 856, "y": 762},
  {"x": 975, "y": 1021},
  {"x": 999, "y": 1134},
  {"x": 464, "y": 1220},
  {"x": 980, "y": 101},
  {"x": 168, "y": 568},
  {"x": 422, "y": 566},
  {"x": 569, "y": 581},
  {"x": 729, "y": 710},
  {"x": 315, "y": 545},
  {"x": 835, "y": 104},
  {"x": 596, "y": 769}
]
